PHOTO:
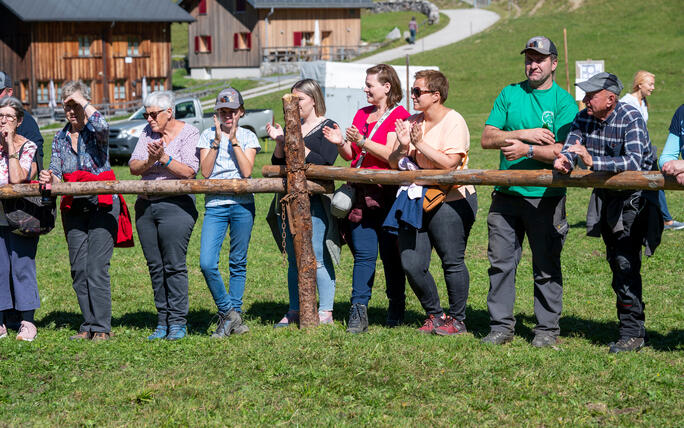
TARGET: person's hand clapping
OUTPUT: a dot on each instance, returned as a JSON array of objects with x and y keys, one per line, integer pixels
[
  {"x": 274, "y": 131},
  {"x": 334, "y": 134}
]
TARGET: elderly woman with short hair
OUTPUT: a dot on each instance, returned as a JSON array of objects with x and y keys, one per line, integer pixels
[
  {"x": 166, "y": 150},
  {"x": 80, "y": 152},
  {"x": 18, "y": 283}
]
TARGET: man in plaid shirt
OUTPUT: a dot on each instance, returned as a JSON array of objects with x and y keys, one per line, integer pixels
[{"x": 611, "y": 136}]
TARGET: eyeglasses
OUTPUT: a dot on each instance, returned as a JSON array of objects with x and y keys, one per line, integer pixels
[
  {"x": 152, "y": 114},
  {"x": 417, "y": 92},
  {"x": 8, "y": 117}
]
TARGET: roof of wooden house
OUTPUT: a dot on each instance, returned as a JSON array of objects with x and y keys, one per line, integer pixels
[{"x": 97, "y": 10}]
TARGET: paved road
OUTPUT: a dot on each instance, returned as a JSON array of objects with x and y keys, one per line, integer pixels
[{"x": 462, "y": 23}]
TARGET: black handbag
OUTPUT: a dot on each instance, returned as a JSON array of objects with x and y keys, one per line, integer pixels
[{"x": 30, "y": 215}]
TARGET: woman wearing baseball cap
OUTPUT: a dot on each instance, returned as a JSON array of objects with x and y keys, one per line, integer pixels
[{"x": 227, "y": 151}]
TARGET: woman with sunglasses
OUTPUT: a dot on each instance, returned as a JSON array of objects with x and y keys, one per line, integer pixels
[
  {"x": 80, "y": 152},
  {"x": 166, "y": 150},
  {"x": 18, "y": 282},
  {"x": 227, "y": 151},
  {"x": 318, "y": 151},
  {"x": 368, "y": 143},
  {"x": 437, "y": 138}
]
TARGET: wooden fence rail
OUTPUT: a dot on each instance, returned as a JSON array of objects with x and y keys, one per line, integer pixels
[
  {"x": 163, "y": 187},
  {"x": 651, "y": 180}
]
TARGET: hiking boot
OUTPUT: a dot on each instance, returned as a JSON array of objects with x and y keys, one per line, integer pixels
[
  {"x": 27, "y": 331},
  {"x": 395, "y": 314},
  {"x": 159, "y": 333},
  {"x": 325, "y": 317},
  {"x": 177, "y": 332},
  {"x": 3, "y": 331},
  {"x": 627, "y": 344},
  {"x": 82, "y": 335},
  {"x": 230, "y": 323},
  {"x": 291, "y": 317},
  {"x": 358, "y": 319},
  {"x": 498, "y": 338},
  {"x": 544, "y": 340},
  {"x": 101, "y": 336},
  {"x": 451, "y": 327},
  {"x": 432, "y": 322}
]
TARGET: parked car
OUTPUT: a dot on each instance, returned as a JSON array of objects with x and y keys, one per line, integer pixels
[{"x": 123, "y": 136}]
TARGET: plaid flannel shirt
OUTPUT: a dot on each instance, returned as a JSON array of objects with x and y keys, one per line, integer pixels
[{"x": 620, "y": 143}]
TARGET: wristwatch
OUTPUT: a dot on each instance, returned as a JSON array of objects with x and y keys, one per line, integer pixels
[
  {"x": 215, "y": 144},
  {"x": 530, "y": 152},
  {"x": 362, "y": 142},
  {"x": 14, "y": 155}
]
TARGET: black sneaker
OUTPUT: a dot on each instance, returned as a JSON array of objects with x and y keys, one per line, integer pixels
[
  {"x": 395, "y": 314},
  {"x": 627, "y": 344},
  {"x": 498, "y": 338},
  {"x": 358, "y": 319}
]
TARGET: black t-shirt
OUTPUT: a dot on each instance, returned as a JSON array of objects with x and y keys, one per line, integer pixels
[{"x": 323, "y": 152}]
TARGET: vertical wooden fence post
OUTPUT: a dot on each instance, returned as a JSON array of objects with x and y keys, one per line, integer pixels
[{"x": 299, "y": 212}]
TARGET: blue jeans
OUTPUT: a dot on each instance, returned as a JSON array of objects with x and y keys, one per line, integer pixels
[
  {"x": 366, "y": 238},
  {"x": 325, "y": 271},
  {"x": 240, "y": 218},
  {"x": 663, "y": 206}
]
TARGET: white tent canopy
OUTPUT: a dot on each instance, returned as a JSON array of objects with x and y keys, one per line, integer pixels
[{"x": 342, "y": 85}]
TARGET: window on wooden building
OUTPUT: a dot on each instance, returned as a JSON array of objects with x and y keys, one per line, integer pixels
[
  {"x": 202, "y": 44},
  {"x": 242, "y": 41},
  {"x": 240, "y": 5},
  {"x": 23, "y": 91},
  {"x": 120, "y": 90},
  {"x": 84, "y": 45},
  {"x": 155, "y": 84},
  {"x": 302, "y": 38},
  {"x": 133, "y": 48},
  {"x": 202, "y": 7},
  {"x": 42, "y": 92}
]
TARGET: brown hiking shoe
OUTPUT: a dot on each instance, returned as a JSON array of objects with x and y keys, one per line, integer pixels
[
  {"x": 83, "y": 335},
  {"x": 99, "y": 337}
]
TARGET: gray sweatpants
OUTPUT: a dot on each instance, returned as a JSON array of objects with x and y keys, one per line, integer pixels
[
  {"x": 543, "y": 221},
  {"x": 90, "y": 237}
]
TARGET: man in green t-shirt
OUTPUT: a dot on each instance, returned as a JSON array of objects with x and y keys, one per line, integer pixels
[{"x": 528, "y": 125}]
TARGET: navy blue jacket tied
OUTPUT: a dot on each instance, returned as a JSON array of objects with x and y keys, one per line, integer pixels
[{"x": 405, "y": 212}]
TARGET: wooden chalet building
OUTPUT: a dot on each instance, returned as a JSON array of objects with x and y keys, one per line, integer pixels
[
  {"x": 109, "y": 44},
  {"x": 233, "y": 37}
]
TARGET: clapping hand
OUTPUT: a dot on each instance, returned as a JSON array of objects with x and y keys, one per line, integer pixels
[
  {"x": 334, "y": 134},
  {"x": 155, "y": 150},
  {"x": 403, "y": 130},
  {"x": 353, "y": 134},
  {"x": 274, "y": 131}
]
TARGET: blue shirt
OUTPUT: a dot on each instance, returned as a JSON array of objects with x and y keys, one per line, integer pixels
[
  {"x": 226, "y": 166},
  {"x": 674, "y": 146},
  {"x": 619, "y": 143},
  {"x": 93, "y": 148}
]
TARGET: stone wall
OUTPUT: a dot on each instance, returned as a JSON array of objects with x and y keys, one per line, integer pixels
[{"x": 421, "y": 6}]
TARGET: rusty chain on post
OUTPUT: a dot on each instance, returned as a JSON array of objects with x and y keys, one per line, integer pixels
[{"x": 284, "y": 203}]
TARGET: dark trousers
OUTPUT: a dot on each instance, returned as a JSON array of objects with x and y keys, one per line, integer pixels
[
  {"x": 446, "y": 229},
  {"x": 543, "y": 221},
  {"x": 90, "y": 237},
  {"x": 623, "y": 252},
  {"x": 164, "y": 227},
  {"x": 366, "y": 237},
  {"x": 18, "y": 283}
]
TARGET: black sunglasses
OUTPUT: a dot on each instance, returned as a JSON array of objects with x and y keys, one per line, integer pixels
[
  {"x": 417, "y": 92},
  {"x": 152, "y": 114}
]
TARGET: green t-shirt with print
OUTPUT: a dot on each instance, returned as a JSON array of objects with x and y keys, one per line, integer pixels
[{"x": 520, "y": 107}]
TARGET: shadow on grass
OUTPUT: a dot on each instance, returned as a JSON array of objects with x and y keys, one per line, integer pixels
[
  {"x": 579, "y": 224},
  {"x": 197, "y": 319}
]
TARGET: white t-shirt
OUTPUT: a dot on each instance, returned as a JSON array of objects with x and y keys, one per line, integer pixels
[
  {"x": 634, "y": 102},
  {"x": 226, "y": 166}
]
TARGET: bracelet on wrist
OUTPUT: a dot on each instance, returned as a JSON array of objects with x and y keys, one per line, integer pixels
[
  {"x": 166, "y": 165},
  {"x": 361, "y": 142},
  {"x": 86, "y": 105}
]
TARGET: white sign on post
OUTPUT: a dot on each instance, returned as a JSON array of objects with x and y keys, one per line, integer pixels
[{"x": 583, "y": 71}]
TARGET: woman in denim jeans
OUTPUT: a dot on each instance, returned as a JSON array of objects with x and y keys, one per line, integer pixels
[
  {"x": 226, "y": 152},
  {"x": 166, "y": 150},
  {"x": 319, "y": 151}
]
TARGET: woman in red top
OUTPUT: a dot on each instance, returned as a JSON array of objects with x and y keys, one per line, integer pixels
[{"x": 368, "y": 143}]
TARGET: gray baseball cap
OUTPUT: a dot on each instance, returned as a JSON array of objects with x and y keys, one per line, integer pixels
[
  {"x": 5, "y": 80},
  {"x": 603, "y": 80},
  {"x": 229, "y": 98},
  {"x": 540, "y": 44}
]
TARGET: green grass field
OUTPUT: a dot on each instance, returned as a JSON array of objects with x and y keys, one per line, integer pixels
[{"x": 386, "y": 377}]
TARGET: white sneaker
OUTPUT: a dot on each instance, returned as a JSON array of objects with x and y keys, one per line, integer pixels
[
  {"x": 27, "y": 331},
  {"x": 3, "y": 331}
]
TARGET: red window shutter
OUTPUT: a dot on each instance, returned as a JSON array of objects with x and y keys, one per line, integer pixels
[
  {"x": 249, "y": 41},
  {"x": 202, "y": 8},
  {"x": 197, "y": 43},
  {"x": 235, "y": 41},
  {"x": 208, "y": 39},
  {"x": 297, "y": 38}
]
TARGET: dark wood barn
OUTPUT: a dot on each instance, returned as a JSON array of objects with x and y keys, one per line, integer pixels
[{"x": 109, "y": 44}]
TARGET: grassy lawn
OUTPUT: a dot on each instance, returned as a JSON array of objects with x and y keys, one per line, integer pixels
[{"x": 386, "y": 377}]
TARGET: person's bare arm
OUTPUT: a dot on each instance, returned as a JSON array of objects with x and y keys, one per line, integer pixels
[{"x": 495, "y": 138}]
